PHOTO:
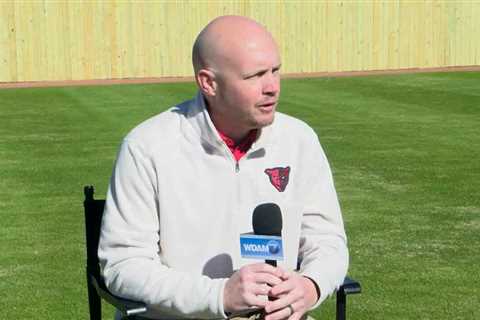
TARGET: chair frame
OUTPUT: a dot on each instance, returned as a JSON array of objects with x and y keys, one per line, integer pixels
[{"x": 130, "y": 309}]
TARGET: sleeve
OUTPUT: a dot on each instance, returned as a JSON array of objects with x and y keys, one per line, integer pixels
[
  {"x": 323, "y": 244},
  {"x": 128, "y": 248}
]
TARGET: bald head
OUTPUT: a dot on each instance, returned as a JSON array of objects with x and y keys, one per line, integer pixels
[{"x": 224, "y": 38}]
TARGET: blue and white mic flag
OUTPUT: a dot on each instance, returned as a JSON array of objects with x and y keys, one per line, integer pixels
[{"x": 253, "y": 246}]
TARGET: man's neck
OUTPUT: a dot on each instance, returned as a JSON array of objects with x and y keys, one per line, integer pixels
[
  {"x": 236, "y": 134},
  {"x": 237, "y": 137}
]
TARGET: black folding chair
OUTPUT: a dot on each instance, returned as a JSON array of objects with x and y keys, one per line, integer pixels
[
  {"x": 129, "y": 309},
  {"x": 95, "y": 284}
]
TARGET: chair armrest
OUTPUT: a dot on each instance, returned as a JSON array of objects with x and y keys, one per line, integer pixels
[
  {"x": 350, "y": 286},
  {"x": 125, "y": 306}
]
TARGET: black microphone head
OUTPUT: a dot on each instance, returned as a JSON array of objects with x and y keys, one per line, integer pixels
[{"x": 267, "y": 220}]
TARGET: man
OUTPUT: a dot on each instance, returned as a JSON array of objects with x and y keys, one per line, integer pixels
[{"x": 186, "y": 182}]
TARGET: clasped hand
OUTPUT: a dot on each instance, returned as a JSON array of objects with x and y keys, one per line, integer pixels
[{"x": 292, "y": 294}]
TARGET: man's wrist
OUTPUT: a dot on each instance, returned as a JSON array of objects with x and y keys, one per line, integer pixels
[{"x": 312, "y": 289}]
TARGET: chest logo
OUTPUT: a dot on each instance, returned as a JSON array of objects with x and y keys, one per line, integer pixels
[{"x": 278, "y": 177}]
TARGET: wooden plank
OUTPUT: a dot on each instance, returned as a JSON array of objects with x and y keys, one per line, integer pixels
[
  {"x": 467, "y": 58},
  {"x": 419, "y": 34},
  {"x": 429, "y": 36},
  {"x": 8, "y": 46},
  {"x": 148, "y": 39},
  {"x": 160, "y": 41},
  {"x": 367, "y": 36},
  {"x": 403, "y": 36},
  {"x": 451, "y": 58},
  {"x": 361, "y": 37},
  {"x": 434, "y": 29},
  {"x": 126, "y": 37},
  {"x": 331, "y": 43},
  {"x": 476, "y": 33},
  {"x": 64, "y": 39},
  {"x": 100, "y": 42},
  {"x": 313, "y": 40},
  {"x": 88, "y": 40},
  {"x": 376, "y": 35},
  {"x": 56, "y": 53},
  {"x": 342, "y": 43},
  {"x": 353, "y": 30},
  {"x": 322, "y": 29},
  {"x": 38, "y": 42},
  {"x": 393, "y": 36},
  {"x": 50, "y": 40},
  {"x": 74, "y": 43},
  {"x": 442, "y": 27},
  {"x": 280, "y": 30},
  {"x": 24, "y": 63},
  {"x": 110, "y": 45}
]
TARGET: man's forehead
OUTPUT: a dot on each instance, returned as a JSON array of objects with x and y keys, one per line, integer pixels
[
  {"x": 227, "y": 38},
  {"x": 249, "y": 53}
]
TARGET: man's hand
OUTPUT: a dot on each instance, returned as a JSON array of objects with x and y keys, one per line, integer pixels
[
  {"x": 249, "y": 286},
  {"x": 295, "y": 295}
]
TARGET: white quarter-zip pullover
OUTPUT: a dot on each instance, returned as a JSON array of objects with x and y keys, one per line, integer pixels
[{"x": 178, "y": 202}]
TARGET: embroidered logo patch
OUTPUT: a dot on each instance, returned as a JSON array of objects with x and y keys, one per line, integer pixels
[{"x": 278, "y": 177}]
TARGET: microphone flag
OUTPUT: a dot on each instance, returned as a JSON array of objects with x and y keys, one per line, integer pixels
[{"x": 262, "y": 247}]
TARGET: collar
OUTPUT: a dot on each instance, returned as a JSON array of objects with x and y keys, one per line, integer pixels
[
  {"x": 241, "y": 148},
  {"x": 199, "y": 119}
]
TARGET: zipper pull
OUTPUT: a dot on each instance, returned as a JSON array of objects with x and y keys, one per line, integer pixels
[{"x": 237, "y": 167}]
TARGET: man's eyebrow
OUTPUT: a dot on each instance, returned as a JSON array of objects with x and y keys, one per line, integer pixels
[{"x": 261, "y": 71}]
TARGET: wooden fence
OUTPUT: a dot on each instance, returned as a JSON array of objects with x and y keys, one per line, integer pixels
[{"x": 75, "y": 40}]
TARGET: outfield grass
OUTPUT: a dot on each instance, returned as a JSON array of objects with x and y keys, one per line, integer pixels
[{"x": 405, "y": 152}]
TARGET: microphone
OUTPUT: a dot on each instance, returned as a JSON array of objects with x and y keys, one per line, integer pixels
[
  {"x": 265, "y": 242},
  {"x": 267, "y": 221}
]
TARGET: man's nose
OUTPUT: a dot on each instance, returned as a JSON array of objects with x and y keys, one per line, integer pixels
[{"x": 271, "y": 85}]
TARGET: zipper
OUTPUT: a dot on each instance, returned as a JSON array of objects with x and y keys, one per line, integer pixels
[
  {"x": 237, "y": 163},
  {"x": 230, "y": 155}
]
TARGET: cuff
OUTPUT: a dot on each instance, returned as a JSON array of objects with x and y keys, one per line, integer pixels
[
  {"x": 220, "y": 308},
  {"x": 321, "y": 289}
]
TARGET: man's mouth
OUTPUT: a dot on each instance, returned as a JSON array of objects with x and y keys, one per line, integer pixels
[{"x": 267, "y": 105}]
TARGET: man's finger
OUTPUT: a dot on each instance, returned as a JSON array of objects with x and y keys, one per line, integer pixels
[
  {"x": 267, "y": 278},
  {"x": 284, "y": 313},
  {"x": 283, "y": 287},
  {"x": 266, "y": 268},
  {"x": 281, "y": 303},
  {"x": 292, "y": 311},
  {"x": 259, "y": 289},
  {"x": 253, "y": 300}
]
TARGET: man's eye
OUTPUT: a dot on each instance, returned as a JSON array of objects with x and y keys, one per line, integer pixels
[{"x": 256, "y": 75}]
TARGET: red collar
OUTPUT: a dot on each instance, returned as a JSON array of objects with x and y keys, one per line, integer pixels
[{"x": 240, "y": 149}]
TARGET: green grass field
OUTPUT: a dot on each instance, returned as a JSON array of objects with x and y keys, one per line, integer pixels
[{"x": 405, "y": 151}]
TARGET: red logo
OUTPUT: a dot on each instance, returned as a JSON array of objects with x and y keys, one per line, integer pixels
[{"x": 278, "y": 177}]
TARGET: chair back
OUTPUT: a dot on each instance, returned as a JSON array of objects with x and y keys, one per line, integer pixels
[{"x": 93, "y": 220}]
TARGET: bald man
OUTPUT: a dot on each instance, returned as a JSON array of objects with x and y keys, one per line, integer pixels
[{"x": 186, "y": 182}]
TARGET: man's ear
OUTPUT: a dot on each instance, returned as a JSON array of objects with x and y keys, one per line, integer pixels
[{"x": 206, "y": 82}]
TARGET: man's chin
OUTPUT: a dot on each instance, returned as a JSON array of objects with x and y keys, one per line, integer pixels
[{"x": 265, "y": 121}]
